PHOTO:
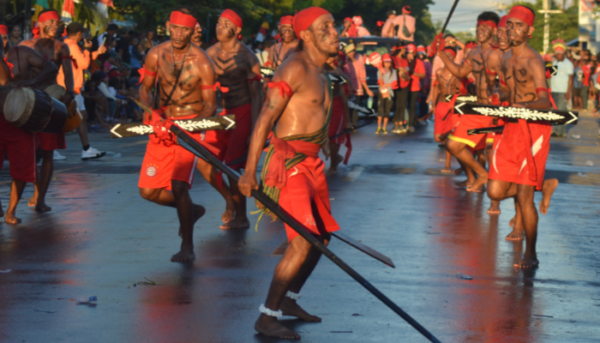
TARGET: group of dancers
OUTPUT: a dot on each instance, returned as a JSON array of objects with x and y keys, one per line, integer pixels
[{"x": 302, "y": 109}]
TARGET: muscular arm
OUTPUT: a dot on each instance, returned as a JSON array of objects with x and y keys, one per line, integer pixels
[
  {"x": 538, "y": 70},
  {"x": 458, "y": 70},
  {"x": 255, "y": 88},
  {"x": 67, "y": 67},
  {"x": 48, "y": 71},
  {"x": 145, "y": 92},
  {"x": 4, "y": 69}
]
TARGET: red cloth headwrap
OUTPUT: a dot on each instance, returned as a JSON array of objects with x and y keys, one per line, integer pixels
[
  {"x": 287, "y": 20},
  {"x": 180, "y": 18},
  {"x": 3, "y": 30},
  {"x": 231, "y": 15},
  {"x": 486, "y": 22},
  {"x": 47, "y": 16},
  {"x": 304, "y": 19},
  {"x": 503, "y": 20},
  {"x": 522, "y": 13}
]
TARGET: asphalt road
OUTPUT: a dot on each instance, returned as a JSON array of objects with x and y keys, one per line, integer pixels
[{"x": 102, "y": 239}]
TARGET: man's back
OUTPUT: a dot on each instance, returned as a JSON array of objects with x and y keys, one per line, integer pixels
[{"x": 410, "y": 22}]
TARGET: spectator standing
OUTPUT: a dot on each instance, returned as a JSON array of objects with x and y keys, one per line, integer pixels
[
  {"x": 416, "y": 71},
  {"x": 586, "y": 67},
  {"x": 355, "y": 69},
  {"x": 387, "y": 78},
  {"x": 425, "y": 82},
  {"x": 388, "y": 28},
  {"x": 148, "y": 41},
  {"x": 406, "y": 25},
  {"x": 361, "y": 31},
  {"x": 577, "y": 83},
  {"x": 561, "y": 83},
  {"x": 15, "y": 36},
  {"x": 349, "y": 28},
  {"x": 401, "y": 66},
  {"x": 80, "y": 62}
]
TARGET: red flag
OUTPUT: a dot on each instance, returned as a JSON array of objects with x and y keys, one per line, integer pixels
[{"x": 68, "y": 10}]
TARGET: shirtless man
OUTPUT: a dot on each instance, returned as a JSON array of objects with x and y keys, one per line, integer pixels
[
  {"x": 19, "y": 144},
  {"x": 445, "y": 84},
  {"x": 520, "y": 156},
  {"x": 459, "y": 139},
  {"x": 185, "y": 82},
  {"x": 288, "y": 44},
  {"x": 299, "y": 102},
  {"x": 340, "y": 114},
  {"x": 58, "y": 52},
  {"x": 238, "y": 69}
]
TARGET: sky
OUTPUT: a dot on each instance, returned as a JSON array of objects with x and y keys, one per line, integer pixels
[{"x": 465, "y": 15}]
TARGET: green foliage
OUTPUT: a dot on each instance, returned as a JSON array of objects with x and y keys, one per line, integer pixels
[{"x": 562, "y": 25}]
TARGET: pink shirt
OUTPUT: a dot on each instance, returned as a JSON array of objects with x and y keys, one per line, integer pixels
[
  {"x": 439, "y": 64},
  {"x": 410, "y": 25},
  {"x": 357, "y": 72}
]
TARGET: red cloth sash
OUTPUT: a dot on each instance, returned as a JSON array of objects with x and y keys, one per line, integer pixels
[
  {"x": 277, "y": 174},
  {"x": 284, "y": 88}
]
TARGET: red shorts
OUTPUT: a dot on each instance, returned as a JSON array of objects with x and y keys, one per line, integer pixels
[
  {"x": 509, "y": 160},
  {"x": 233, "y": 144},
  {"x": 468, "y": 122},
  {"x": 336, "y": 125},
  {"x": 441, "y": 126},
  {"x": 489, "y": 138},
  {"x": 305, "y": 196},
  {"x": 51, "y": 141},
  {"x": 20, "y": 146}
]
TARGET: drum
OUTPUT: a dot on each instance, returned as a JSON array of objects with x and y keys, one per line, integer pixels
[
  {"x": 74, "y": 118},
  {"x": 33, "y": 110}
]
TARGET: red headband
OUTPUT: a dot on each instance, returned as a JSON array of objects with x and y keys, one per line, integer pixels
[
  {"x": 47, "y": 16},
  {"x": 304, "y": 19},
  {"x": 287, "y": 20},
  {"x": 522, "y": 13},
  {"x": 451, "y": 51},
  {"x": 179, "y": 18},
  {"x": 406, "y": 9},
  {"x": 231, "y": 15},
  {"x": 470, "y": 45},
  {"x": 486, "y": 22},
  {"x": 503, "y": 21},
  {"x": 3, "y": 29}
]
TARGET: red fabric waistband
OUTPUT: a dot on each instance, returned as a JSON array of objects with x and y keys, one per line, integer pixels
[{"x": 284, "y": 150}]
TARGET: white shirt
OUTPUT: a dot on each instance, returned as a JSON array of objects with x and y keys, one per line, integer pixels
[
  {"x": 104, "y": 90},
  {"x": 560, "y": 82}
]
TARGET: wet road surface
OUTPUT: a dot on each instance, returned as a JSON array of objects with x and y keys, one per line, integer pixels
[{"x": 102, "y": 239}]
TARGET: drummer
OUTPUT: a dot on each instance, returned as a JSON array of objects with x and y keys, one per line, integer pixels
[
  {"x": 57, "y": 52},
  {"x": 16, "y": 142}
]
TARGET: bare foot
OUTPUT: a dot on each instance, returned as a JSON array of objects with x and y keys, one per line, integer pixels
[
  {"x": 494, "y": 208},
  {"x": 547, "y": 190},
  {"x": 42, "y": 207},
  {"x": 446, "y": 170},
  {"x": 289, "y": 307},
  {"x": 11, "y": 219},
  {"x": 511, "y": 223},
  {"x": 479, "y": 185},
  {"x": 516, "y": 235},
  {"x": 228, "y": 214},
  {"x": 236, "y": 223},
  {"x": 33, "y": 201},
  {"x": 269, "y": 326},
  {"x": 458, "y": 171},
  {"x": 185, "y": 255},
  {"x": 466, "y": 183},
  {"x": 528, "y": 262}
]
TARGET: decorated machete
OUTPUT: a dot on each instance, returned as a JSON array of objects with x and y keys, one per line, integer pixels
[
  {"x": 555, "y": 117},
  {"x": 479, "y": 131},
  {"x": 462, "y": 98}
]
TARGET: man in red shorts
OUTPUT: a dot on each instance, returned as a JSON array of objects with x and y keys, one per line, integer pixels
[
  {"x": 15, "y": 142},
  {"x": 445, "y": 120},
  {"x": 520, "y": 157},
  {"x": 58, "y": 52},
  {"x": 299, "y": 101},
  {"x": 185, "y": 90},
  {"x": 238, "y": 69},
  {"x": 459, "y": 140}
]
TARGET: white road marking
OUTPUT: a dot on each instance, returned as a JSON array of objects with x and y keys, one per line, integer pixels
[
  {"x": 381, "y": 145},
  {"x": 354, "y": 174}
]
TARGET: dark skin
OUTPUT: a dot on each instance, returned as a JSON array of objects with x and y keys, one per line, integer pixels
[
  {"x": 302, "y": 113},
  {"x": 524, "y": 71},
  {"x": 27, "y": 60},
  {"x": 288, "y": 45},
  {"x": 475, "y": 65},
  {"x": 340, "y": 91},
  {"x": 47, "y": 45},
  {"x": 189, "y": 98},
  {"x": 233, "y": 62}
]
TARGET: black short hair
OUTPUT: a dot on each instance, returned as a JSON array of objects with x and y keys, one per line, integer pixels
[
  {"x": 75, "y": 28},
  {"x": 449, "y": 35},
  {"x": 112, "y": 27},
  {"x": 186, "y": 10},
  {"x": 492, "y": 16}
]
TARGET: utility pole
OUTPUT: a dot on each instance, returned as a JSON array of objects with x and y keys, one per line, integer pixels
[
  {"x": 27, "y": 21},
  {"x": 546, "y": 11}
]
